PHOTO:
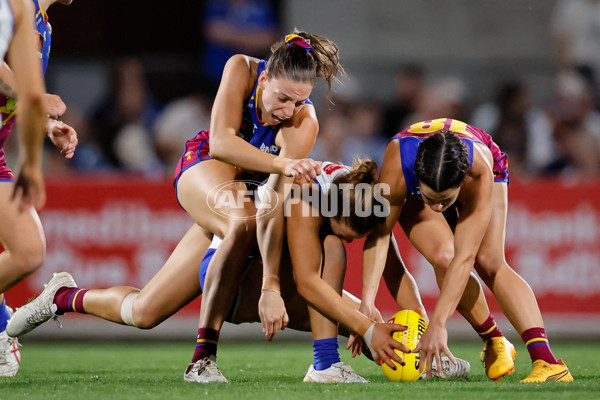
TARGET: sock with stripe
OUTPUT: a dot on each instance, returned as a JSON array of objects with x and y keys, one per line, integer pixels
[
  {"x": 4, "y": 315},
  {"x": 537, "y": 345},
  {"x": 206, "y": 344},
  {"x": 325, "y": 353},
  {"x": 488, "y": 329},
  {"x": 69, "y": 299}
]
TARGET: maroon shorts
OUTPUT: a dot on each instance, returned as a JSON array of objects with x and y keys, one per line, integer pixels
[
  {"x": 196, "y": 150},
  {"x": 6, "y": 174},
  {"x": 500, "y": 168}
]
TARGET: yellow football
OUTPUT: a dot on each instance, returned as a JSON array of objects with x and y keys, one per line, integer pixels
[{"x": 410, "y": 337}]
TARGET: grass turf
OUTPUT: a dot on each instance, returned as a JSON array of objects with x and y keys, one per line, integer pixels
[{"x": 58, "y": 370}]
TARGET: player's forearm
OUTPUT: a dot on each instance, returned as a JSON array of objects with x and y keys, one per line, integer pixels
[
  {"x": 31, "y": 121},
  {"x": 270, "y": 241},
  {"x": 234, "y": 150},
  {"x": 374, "y": 258},
  {"x": 452, "y": 288},
  {"x": 329, "y": 303}
]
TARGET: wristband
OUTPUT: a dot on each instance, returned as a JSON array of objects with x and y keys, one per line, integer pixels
[
  {"x": 271, "y": 290},
  {"x": 368, "y": 336}
]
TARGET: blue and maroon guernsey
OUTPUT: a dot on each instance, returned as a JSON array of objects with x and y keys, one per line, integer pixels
[
  {"x": 411, "y": 137},
  {"x": 8, "y": 105},
  {"x": 252, "y": 130},
  {"x": 44, "y": 33}
]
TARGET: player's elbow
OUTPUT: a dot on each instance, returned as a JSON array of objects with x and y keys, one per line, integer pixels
[
  {"x": 218, "y": 148},
  {"x": 306, "y": 288}
]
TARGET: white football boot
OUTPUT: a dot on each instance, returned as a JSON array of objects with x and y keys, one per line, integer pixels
[
  {"x": 41, "y": 309},
  {"x": 10, "y": 354},
  {"x": 460, "y": 370},
  {"x": 205, "y": 371},
  {"x": 337, "y": 373}
]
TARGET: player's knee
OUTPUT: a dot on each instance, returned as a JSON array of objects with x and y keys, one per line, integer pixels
[
  {"x": 441, "y": 259},
  {"x": 488, "y": 264},
  {"x": 136, "y": 312},
  {"x": 28, "y": 258},
  {"x": 335, "y": 251},
  {"x": 244, "y": 230},
  {"x": 143, "y": 315}
]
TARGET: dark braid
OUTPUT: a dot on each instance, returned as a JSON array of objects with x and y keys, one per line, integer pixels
[{"x": 442, "y": 161}]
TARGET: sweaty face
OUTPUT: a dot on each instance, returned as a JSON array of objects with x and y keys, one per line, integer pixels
[
  {"x": 343, "y": 231},
  {"x": 281, "y": 98},
  {"x": 438, "y": 201}
]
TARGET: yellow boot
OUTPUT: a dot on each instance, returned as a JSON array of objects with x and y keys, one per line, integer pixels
[
  {"x": 544, "y": 372},
  {"x": 498, "y": 357}
]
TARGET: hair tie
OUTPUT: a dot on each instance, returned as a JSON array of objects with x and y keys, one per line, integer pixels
[{"x": 297, "y": 40}]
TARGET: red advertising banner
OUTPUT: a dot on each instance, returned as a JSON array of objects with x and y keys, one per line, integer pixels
[{"x": 110, "y": 231}]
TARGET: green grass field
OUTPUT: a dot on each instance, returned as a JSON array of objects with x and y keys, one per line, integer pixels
[{"x": 151, "y": 370}]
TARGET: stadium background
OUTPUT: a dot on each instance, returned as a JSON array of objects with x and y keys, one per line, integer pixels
[{"x": 116, "y": 225}]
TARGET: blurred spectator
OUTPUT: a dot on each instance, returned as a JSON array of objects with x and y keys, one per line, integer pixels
[
  {"x": 180, "y": 120},
  {"x": 576, "y": 129},
  {"x": 409, "y": 82},
  {"x": 124, "y": 121},
  {"x": 521, "y": 130},
  {"x": 444, "y": 98},
  {"x": 575, "y": 26},
  {"x": 237, "y": 26},
  {"x": 349, "y": 128}
]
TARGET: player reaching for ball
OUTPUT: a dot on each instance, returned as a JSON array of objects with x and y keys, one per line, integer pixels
[{"x": 449, "y": 184}]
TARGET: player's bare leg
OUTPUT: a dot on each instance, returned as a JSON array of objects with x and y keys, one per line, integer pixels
[
  {"x": 235, "y": 223},
  {"x": 174, "y": 285},
  {"x": 22, "y": 237},
  {"x": 514, "y": 294}
]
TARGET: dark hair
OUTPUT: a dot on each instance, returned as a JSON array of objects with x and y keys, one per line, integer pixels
[
  {"x": 297, "y": 64},
  {"x": 442, "y": 161},
  {"x": 362, "y": 171}
]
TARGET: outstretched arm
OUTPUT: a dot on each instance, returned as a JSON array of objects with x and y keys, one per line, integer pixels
[
  {"x": 305, "y": 251},
  {"x": 295, "y": 142},
  {"x": 377, "y": 243}
]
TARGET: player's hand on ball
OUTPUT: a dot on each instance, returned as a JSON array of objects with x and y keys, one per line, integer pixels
[
  {"x": 433, "y": 343},
  {"x": 384, "y": 344},
  {"x": 272, "y": 312}
]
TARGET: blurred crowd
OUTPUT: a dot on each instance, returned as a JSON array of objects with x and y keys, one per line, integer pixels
[{"x": 131, "y": 131}]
